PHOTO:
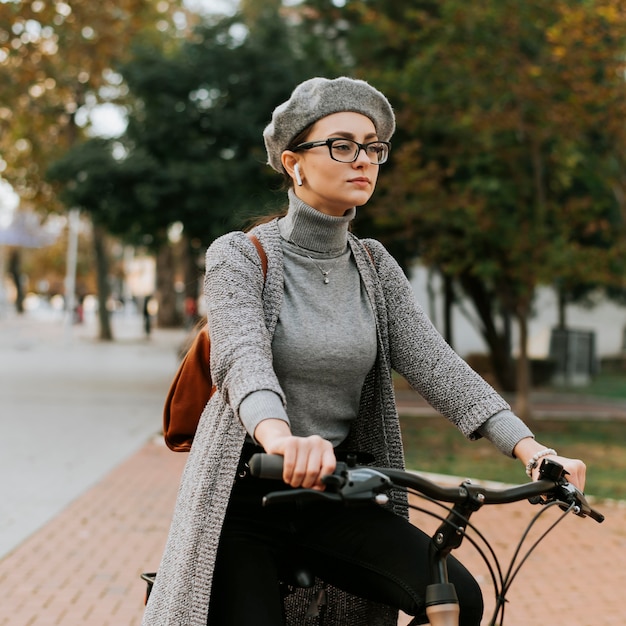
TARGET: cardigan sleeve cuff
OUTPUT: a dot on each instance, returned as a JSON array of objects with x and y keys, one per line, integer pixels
[
  {"x": 259, "y": 406},
  {"x": 504, "y": 430}
]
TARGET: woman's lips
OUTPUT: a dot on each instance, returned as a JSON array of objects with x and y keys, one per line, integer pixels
[{"x": 361, "y": 181}]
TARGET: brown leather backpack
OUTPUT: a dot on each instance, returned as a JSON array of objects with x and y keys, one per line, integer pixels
[{"x": 193, "y": 386}]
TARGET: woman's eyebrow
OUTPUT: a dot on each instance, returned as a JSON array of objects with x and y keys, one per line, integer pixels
[{"x": 349, "y": 135}]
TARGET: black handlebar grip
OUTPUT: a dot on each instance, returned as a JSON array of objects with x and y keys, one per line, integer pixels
[{"x": 266, "y": 466}]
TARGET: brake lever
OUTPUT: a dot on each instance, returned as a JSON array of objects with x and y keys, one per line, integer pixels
[
  {"x": 350, "y": 486},
  {"x": 300, "y": 495},
  {"x": 364, "y": 484},
  {"x": 333, "y": 484},
  {"x": 576, "y": 499},
  {"x": 568, "y": 494}
]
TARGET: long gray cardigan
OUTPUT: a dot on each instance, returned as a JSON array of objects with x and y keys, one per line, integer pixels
[{"x": 242, "y": 315}]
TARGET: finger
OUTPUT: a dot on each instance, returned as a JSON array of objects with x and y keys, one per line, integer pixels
[
  {"x": 329, "y": 462},
  {"x": 312, "y": 476},
  {"x": 300, "y": 466},
  {"x": 578, "y": 474},
  {"x": 327, "y": 465},
  {"x": 289, "y": 464}
]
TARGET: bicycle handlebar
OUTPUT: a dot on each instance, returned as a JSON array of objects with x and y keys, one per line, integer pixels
[{"x": 352, "y": 484}]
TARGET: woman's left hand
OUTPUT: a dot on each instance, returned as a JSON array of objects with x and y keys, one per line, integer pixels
[
  {"x": 575, "y": 468},
  {"x": 527, "y": 448}
]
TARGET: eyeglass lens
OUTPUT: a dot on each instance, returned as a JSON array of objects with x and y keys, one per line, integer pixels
[{"x": 347, "y": 151}]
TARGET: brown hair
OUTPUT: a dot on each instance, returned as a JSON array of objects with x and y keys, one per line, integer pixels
[{"x": 287, "y": 183}]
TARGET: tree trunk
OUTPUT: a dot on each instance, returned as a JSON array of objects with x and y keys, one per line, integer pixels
[
  {"x": 168, "y": 315},
  {"x": 522, "y": 400},
  {"x": 499, "y": 343},
  {"x": 193, "y": 274},
  {"x": 102, "y": 276},
  {"x": 448, "y": 303},
  {"x": 562, "y": 305}
]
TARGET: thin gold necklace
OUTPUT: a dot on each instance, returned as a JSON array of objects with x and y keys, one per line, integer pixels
[{"x": 324, "y": 272}]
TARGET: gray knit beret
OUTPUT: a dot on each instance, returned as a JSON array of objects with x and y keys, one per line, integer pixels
[{"x": 318, "y": 97}]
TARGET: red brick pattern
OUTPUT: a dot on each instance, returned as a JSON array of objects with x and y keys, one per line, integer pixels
[{"x": 84, "y": 567}]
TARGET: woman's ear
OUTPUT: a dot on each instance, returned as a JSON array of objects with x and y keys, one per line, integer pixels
[{"x": 290, "y": 163}]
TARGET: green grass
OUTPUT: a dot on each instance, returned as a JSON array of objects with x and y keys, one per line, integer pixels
[
  {"x": 434, "y": 445},
  {"x": 605, "y": 385}
]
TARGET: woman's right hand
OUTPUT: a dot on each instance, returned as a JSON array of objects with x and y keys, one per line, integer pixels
[{"x": 306, "y": 459}]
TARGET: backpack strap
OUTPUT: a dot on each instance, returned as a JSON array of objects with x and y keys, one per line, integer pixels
[
  {"x": 259, "y": 248},
  {"x": 369, "y": 252}
]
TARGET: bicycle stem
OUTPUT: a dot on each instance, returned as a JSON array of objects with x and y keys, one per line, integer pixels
[{"x": 442, "y": 604}]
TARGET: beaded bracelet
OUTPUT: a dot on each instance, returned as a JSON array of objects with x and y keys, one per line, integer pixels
[{"x": 530, "y": 466}]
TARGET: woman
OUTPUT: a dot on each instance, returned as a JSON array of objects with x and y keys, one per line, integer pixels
[{"x": 303, "y": 364}]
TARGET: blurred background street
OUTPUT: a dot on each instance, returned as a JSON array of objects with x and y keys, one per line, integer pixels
[
  {"x": 131, "y": 137},
  {"x": 72, "y": 409}
]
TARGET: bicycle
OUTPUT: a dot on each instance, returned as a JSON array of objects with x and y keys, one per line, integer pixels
[{"x": 352, "y": 483}]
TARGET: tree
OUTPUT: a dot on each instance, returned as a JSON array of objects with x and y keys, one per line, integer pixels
[
  {"x": 193, "y": 151},
  {"x": 508, "y": 169},
  {"x": 57, "y": 61}
]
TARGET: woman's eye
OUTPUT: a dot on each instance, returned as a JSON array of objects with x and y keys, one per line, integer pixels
[{"x": 342, "y": 147}]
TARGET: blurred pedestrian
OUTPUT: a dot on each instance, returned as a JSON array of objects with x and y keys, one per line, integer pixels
[
  {"x": 191, "y": 312},
  {"x": 147, "y": 315}
]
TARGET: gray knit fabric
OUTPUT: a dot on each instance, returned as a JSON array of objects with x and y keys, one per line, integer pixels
[
  {"x": 318, "y": 97},
  {"x": 504, "y": 430},
  {"x": 242, "y": 315}
]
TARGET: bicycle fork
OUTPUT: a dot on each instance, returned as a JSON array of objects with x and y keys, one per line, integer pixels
[{"x": 442, "y": 604}]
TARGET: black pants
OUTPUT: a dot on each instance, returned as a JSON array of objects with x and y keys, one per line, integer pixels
[{"x": 364, "y": 550}]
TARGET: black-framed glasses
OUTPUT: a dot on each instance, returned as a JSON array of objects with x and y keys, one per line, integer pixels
[{"x": 347, "y": 150}]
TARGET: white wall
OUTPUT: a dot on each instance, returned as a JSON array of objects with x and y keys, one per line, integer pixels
[{"x": 606, "y": 319}]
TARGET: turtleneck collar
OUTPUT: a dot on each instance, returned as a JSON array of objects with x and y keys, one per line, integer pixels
[{"x": 311, "y": 229}]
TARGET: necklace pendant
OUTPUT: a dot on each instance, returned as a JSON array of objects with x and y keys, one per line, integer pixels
[{"x": 323, "y": 271}]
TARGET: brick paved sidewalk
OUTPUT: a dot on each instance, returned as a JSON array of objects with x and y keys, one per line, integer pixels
[{"x": 84, "y": 566}]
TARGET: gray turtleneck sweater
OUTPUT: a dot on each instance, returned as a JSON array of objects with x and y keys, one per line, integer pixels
[{"x": 325, "y": 340}]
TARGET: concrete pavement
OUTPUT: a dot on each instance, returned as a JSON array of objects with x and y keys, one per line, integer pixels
[
  {"x": 72, "y": 409},
  {"x": 89, "y": 490}
]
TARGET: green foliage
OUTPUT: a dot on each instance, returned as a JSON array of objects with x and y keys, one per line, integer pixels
[
  {"x": 508, "y": 153},
  {"x": 56, "y": 59},
  {"x": 507, "y": 169},
  {"x": 92, "y": 179},
  {"x": 193, "y": 149}
]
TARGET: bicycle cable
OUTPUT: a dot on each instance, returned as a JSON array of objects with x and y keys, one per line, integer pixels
[
  {"x": 492, "y": 565},
  {"x": 513, "y": 570},
  {"x": 501, "y": 582}
]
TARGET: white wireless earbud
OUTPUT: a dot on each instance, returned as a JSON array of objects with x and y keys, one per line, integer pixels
[{"x": 296, "y": 173}]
